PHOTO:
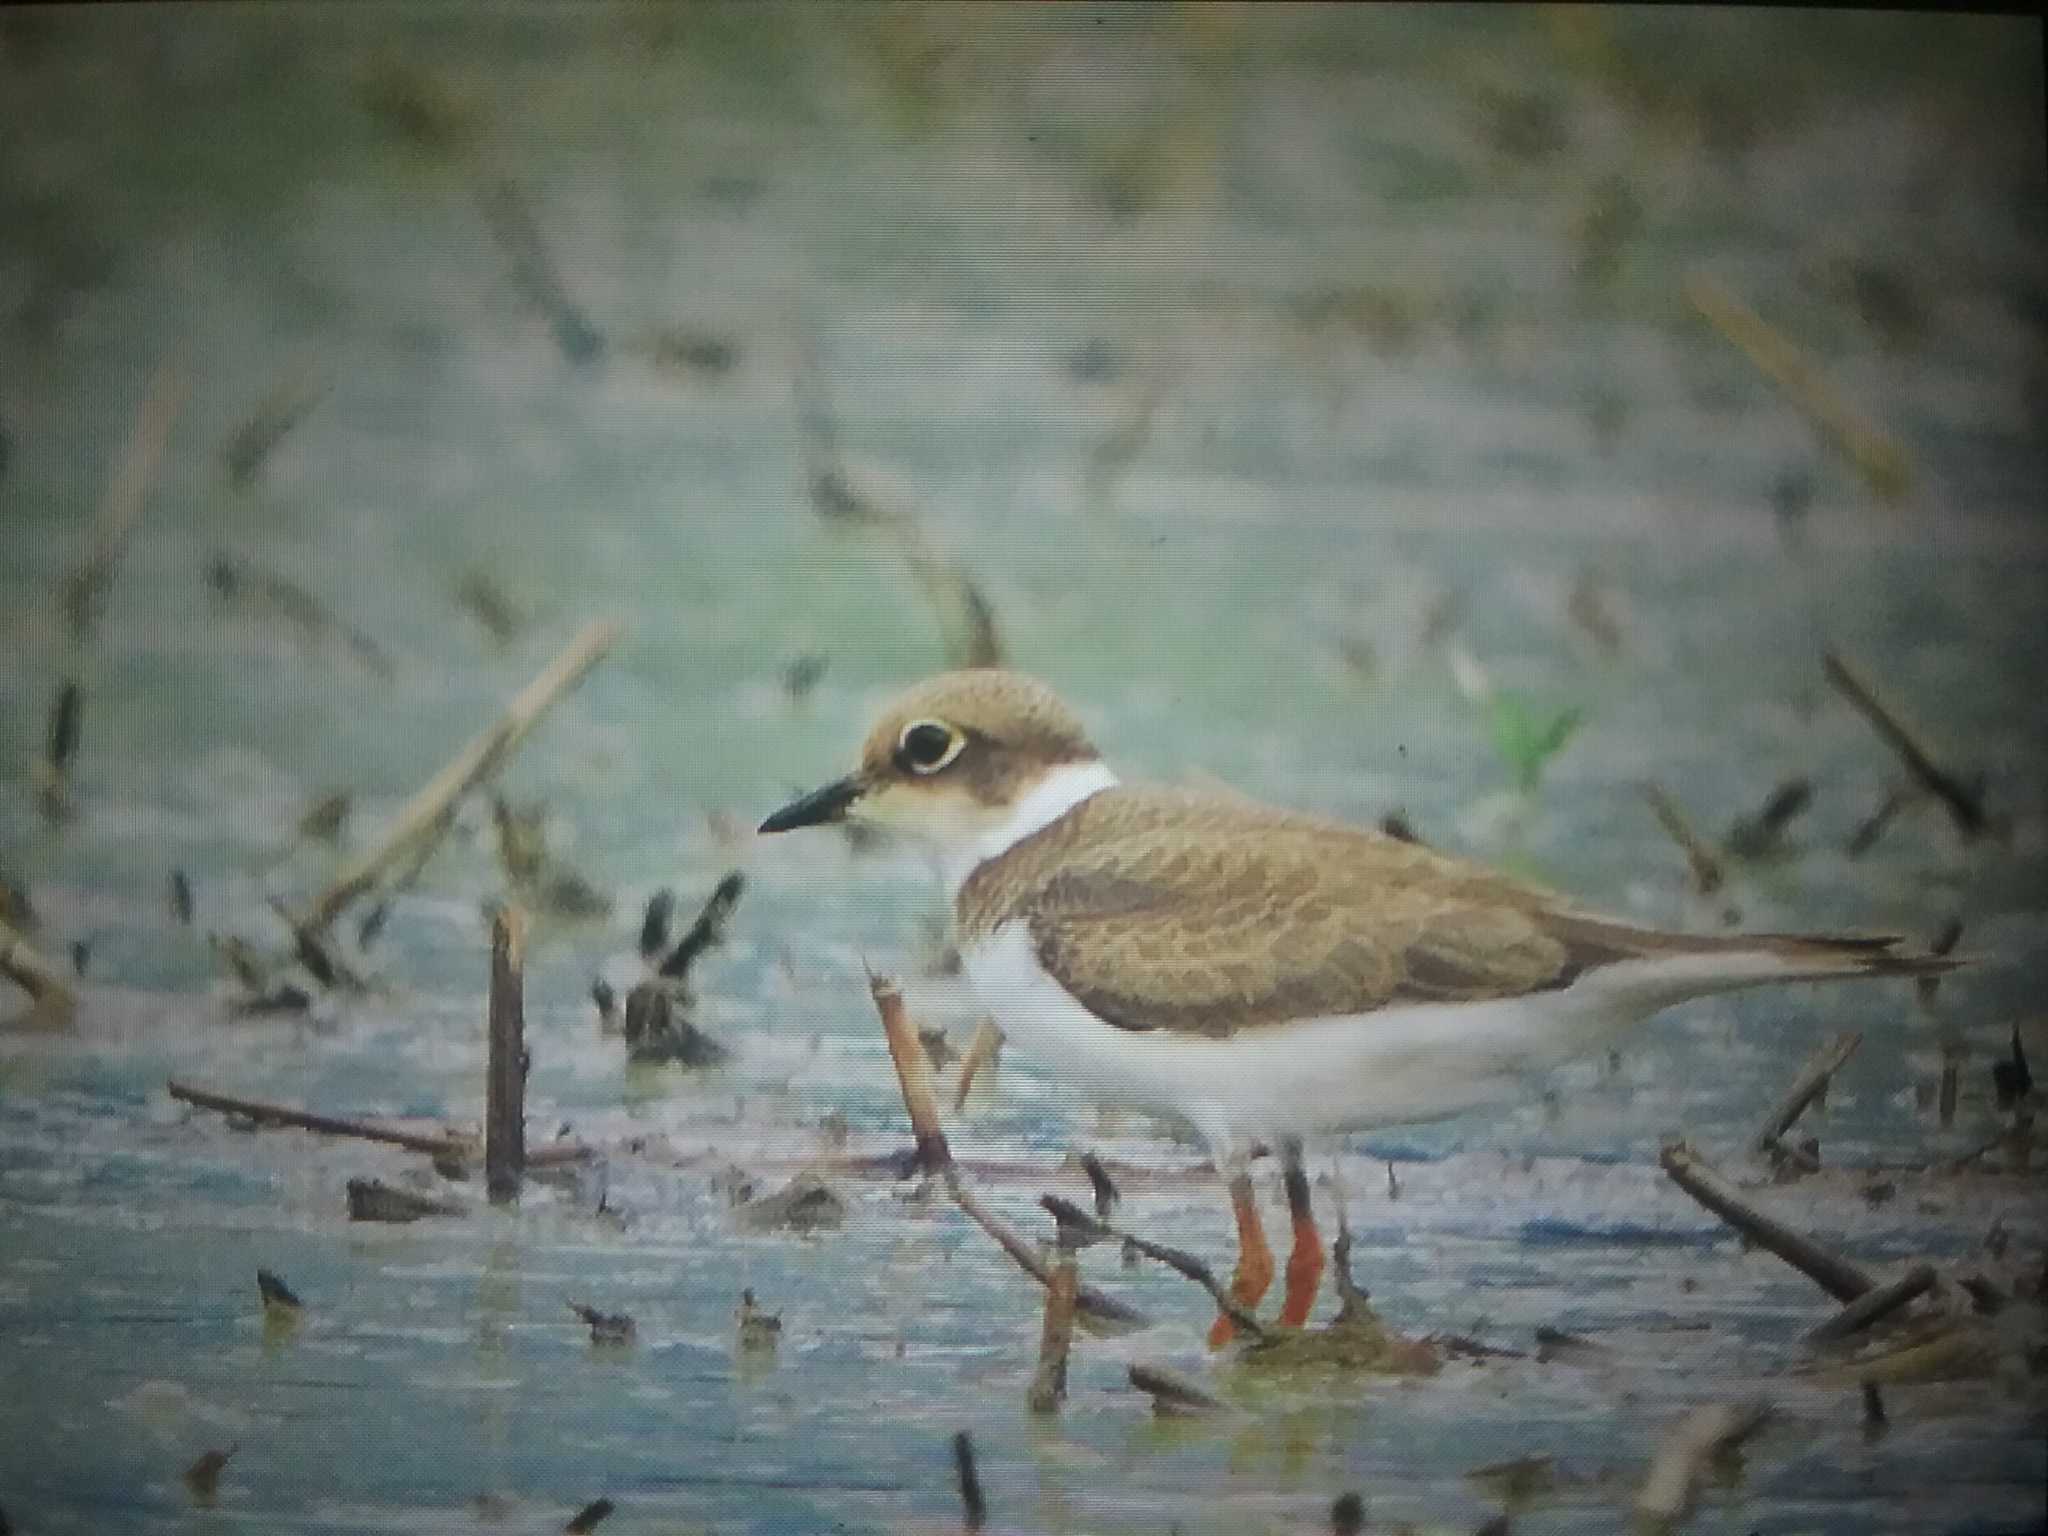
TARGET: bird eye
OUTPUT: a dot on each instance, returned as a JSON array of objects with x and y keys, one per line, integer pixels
[{"x": 926, "y": 746}]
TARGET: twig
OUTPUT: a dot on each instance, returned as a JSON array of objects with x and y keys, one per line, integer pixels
[
  {"x": 973, "y": 1507},
  {"x": 427, "y": 816},
  {"x": 913, "y": 1075},
  {"x": 535, "y": 275},
  {"x": 1683, "y": 1454},
  {"x": 1809, "y": 1085},
  {"x": 1872, "y": 827},
  {"x": 707, "y": 932},
  {"x": 21, "y": 964},
  {"x": 1965, "y": 800},
  {"x": 1837, "y": 1276},
  {"x": 933, "y": 1155},
  {"x": 282, "y": 408},
  {"x": 1172, "y": 1394},
  {"x": 51, "y": 773},
  {"x": 1751, "y": 837},
  {"x": 85, "y": 589},
  {"x": 265, "y": 594},
  {"x": 438, "y": 1144},
  {"x": 505, "y": 1069},
  {"x": 1181, "y": 1262},
  {"x": 1873, "y": 1305},
  {"x": 1877, "y": 457},
  {"x": 1706, "y": 866},
  {"x": 1056, "y": 1335},
  {"x": 589, "y": 1518},
  {"x": 374, "y": 1200}
]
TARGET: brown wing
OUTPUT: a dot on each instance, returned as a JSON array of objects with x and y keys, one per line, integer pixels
[{"x": 1166, "y": 909}]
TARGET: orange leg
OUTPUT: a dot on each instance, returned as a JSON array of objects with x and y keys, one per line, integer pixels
[
  {"x": 1305, "y": 1260},
  {"x": 1254, "y": 1258}
]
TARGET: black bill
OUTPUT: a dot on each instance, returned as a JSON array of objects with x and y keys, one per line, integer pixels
[{"x": 817, "y": 808}]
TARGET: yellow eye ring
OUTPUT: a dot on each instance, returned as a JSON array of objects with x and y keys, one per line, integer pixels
[{"x": 926, "y": 746}]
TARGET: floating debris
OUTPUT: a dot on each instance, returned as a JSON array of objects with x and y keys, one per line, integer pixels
[
  {"x": 277, "y": 1297},
  {"x": 1873, "y": 1306},
  {"x": 52, "y": 998},
  {"x": 416, "y": 106},
  {"x": 264, "y": 595},
  {"x": 1173, "y": 1394},
  {"x": 507, "y": 1059},
  {"x": 374, "y": 1200},
  {"x": 51, "y": 773},
  {"x": 203, "y": 1476},
  {"x": 180, "y": 891},
  {"x": 1611, "y": 221},
  {"x": 322, "y": 821},
  {"x": 758, "y": 1330},
  {"x": 657, "y": 1028},
  {"x": 973, "y": 1507},
  {"x": 708, "y": 931},
  {"x": 1683, "y": 1455},
  {"x": 479, "y": 596},
  {"x": 1810, "y": 1085},
  {"x": 589, "y": 1517},
  {"x": 1587, "y": 608},
  {"x": 288, "y": 403},
  {"x": 2011, "y": 1079},
  {"x": 1876, "y": 456},
  {"x": 16, "y": 910},
  {"x": 1873, "y": 826},
  {"x": 1839, "y": 1277},
  {"x": 694, "y": 351},
  {"x": 654, "y": 925},
  {"x": 1556, "y": 1344},
  {"x": 535, "y": 275},
  {"x": 1347, "y": 1515},
  {"x": 84, "y": 592},
  {"x": 1705, "y": 865},
  {"x": 1963, "y": 797},
  {"x": 425, "y": 819},
  {"x": 801, "y": 676},
  {"x": 1056, "y": 1334},
  {"x": 1761, "y": 835},
  {"x": 605, "y": 1327},
  {"x": 806, "y": 1204}
]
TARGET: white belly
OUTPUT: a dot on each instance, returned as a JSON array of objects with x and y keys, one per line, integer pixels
[{"x": 1402, "y": 1064}]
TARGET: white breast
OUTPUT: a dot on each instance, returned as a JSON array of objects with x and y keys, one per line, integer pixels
[{"x": 1349, "y": 1072}]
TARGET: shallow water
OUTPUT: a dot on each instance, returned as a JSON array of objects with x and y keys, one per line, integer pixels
[{"x": 946, "y": 237}]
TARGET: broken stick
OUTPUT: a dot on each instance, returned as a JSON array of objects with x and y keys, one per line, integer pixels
[
  {"x": 1873, "y": 1305},
  {"x": 933, "y": 1155},
  {"x": 1839, "y": 1277},
  {"x": 1964, "y": 798},
  {"x": 1705, "y": 865},
  {"x": 85, "y": 589},
  {"x": 1071, "y": 1216},
  {"x": 1683, "y": 1454},
  {"x": 1809, "y": 1085},
  {"x": 1056, "y": 1336},
  {"x": 505, "y": 1071},
  {"x": 441, "y": 1144},
  {"x": 1877, "y": 456},
  {"x": 21, "y": 964},
  {"x": 427, "y": 816}
]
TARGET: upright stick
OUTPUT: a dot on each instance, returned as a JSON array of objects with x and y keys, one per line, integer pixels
[{"x": 505, "y": 1082}]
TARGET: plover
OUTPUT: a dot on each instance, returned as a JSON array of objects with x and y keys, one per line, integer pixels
[{"x": 1263, "y": 974}]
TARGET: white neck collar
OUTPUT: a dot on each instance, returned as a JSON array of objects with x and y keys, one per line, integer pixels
[{"x": 1054, "y": 795}]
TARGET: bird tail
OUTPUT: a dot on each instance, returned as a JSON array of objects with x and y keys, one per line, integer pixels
[{"x": 1825, "y": 955}]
